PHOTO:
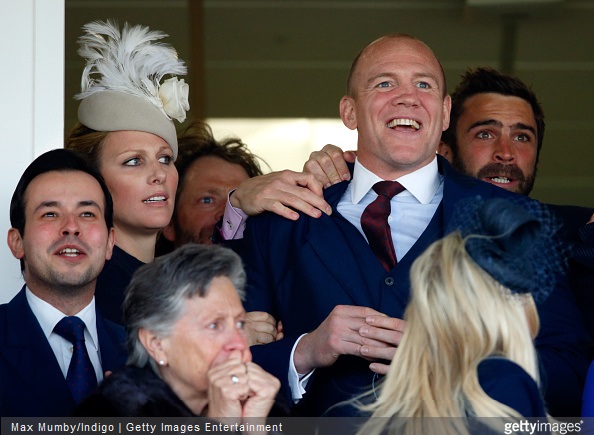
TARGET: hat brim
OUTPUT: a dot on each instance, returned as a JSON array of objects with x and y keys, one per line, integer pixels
[{"x": 119, "y": 111}]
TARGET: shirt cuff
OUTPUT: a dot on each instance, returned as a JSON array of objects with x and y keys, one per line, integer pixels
[
  {"x": 233, "y": 221},
  {"x": 297, "y": 382}
]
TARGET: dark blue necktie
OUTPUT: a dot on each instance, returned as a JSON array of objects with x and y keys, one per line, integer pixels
[
  {"x": 81, "y": 378},
  {"x": 374, "y": 222}
]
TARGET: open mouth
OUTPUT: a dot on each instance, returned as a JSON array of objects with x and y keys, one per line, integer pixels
[
  {"x": 69, "y": 252},
  {"x": 154, "y": 199},
  {"x": 404, "y": 122},
  {"x": 501, "y": 180}
]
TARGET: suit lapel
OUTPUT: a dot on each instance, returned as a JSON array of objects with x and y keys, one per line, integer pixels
[
  {"x": 344, "y": 251},
  {"x": 29, "y": 354},
  {"x": 339, "y": 246},
  {"x": 111, "y": 343}
]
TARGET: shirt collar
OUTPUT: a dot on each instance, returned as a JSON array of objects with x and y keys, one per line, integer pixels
[
  {"x": 48, "y": 316},
  {"x": 422, "y": 183}
]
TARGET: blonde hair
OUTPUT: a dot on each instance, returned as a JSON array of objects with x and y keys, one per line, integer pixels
[{"x": 458, "y": 316}]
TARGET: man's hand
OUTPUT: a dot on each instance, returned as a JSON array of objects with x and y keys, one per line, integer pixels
[
  {"x": 387, "y": 331},
  {"x": 278, "y": 191},
  {"x": 329, "y": 165},
  {"x": 261, "y": 328},
  {"x": 337, "y": 335}
]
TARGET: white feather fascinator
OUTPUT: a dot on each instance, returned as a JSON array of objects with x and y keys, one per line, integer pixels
[{"x": 121, "y": 85}]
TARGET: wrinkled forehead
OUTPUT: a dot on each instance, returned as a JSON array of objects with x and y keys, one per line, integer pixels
[{"x": 395, "y": 50}]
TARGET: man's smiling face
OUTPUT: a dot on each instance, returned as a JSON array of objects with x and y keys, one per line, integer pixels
[{"x": 398, "y": 105}]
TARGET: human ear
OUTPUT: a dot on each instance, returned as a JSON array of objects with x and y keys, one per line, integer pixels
[
  {"x": 15, "y": 243},
  {"x": 447, "y": 107},
  {"x": 347, "y": 112},
  {"x": 153, "y": 345}
]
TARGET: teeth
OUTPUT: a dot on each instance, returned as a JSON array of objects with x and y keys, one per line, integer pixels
[
  {"x": 403, "y": 121},
  {"x": 155, "y": 199},
  {"x": 70, "y": 252},
  {"x": 502, "y": 180}
]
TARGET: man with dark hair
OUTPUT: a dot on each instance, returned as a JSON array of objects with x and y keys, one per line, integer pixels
[
  {"x": 340, "y": 288},
  {"x": 208, "y": 169},
  {"x": 496, "y": 130},
  {"x": 54, "y": 346}
]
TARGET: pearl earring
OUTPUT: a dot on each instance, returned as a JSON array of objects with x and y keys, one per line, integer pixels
[{"x": 161, "y": 362}]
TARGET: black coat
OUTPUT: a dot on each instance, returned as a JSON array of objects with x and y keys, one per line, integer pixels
[{"x": 133, "y": 392}]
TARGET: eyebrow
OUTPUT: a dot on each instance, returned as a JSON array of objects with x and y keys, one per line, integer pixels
[
  {"x": 516, "y": 126},
  {"x": 83, "y": 203}
]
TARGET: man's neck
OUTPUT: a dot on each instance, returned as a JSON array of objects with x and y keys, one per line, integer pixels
[
  {"x": 390, "y": 172},
  {"x": 68, "y": 300}
]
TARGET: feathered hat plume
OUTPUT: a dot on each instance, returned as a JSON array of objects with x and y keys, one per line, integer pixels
[{"x": 130, "y": 63}]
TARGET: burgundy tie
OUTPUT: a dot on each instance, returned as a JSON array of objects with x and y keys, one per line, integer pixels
[{"x": 374, "y": 222}]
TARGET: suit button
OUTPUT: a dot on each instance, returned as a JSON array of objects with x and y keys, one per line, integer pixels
[{"x": 389, "y": 281}]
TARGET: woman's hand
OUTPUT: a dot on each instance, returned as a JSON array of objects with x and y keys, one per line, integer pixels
[
  {"x": 228, "y": 387},
  {"x": 262, "y": 391},
  {"x": 238, "y": 389}
]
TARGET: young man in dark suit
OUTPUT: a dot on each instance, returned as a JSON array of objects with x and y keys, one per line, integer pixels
[{"x": 54, "y": 346}]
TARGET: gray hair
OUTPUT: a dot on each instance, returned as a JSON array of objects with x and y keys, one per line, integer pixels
[{"x": 156, "y": 296}]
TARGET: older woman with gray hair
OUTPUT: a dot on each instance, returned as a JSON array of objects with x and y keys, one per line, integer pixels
[{"x": 188, "y": 348}]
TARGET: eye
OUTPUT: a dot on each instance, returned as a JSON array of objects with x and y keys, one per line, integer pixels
[
  {"x": 49, "y": 214},
  {"x": 522, "y": 137},
  {"x": 423, "y": 85},
  {"x": 207, "y": 200},
  {"x": 484, "y": 135},
  {"x": 384, "y": 84},
  {"x": 132, "y": 162},
  {"x": 87, "y": 214},
  {"x": 240, "y": 324},
  {"x": 213, "y": 326},
  {"x": 167, "y": 160}
]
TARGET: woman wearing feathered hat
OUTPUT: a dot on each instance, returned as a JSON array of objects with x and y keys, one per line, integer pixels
[{"x": 130, "y": 96}]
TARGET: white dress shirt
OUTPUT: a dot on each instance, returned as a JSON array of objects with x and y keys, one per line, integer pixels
[
  {"x": 411, "y": 210},
  {"x": 48, "y": 317},
  {"x": 410, "y": 214}
]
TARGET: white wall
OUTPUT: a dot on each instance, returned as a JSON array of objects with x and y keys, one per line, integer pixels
[
  {"x": 32, "y": 105},
  {"x": 285, "y": 143}
]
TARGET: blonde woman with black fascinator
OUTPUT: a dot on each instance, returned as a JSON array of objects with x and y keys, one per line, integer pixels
[{"x": 467, "y": 350}]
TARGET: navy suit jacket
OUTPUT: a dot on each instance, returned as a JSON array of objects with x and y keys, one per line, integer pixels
[
  {"x": 298, "y": 271},
  {"x": 31, "y": 381},
  {"x": 579, "y": 237}
]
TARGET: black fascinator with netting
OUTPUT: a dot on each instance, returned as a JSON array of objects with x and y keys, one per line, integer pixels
[{"x": 514, "y": 241}]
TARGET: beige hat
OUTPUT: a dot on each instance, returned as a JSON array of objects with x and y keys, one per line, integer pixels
[
  {"x": 116, "y": 111},
  {"x": 121, "y": 83}
]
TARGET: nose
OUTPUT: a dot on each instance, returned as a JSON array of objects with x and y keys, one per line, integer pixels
[
  {"x": 70, "y": 226},
  {"x": 504, "y": 152},
  {"x": 237, "y": 340},
  {"x": 406, "y": 94},
  {"x": 157, "y": 174}
]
